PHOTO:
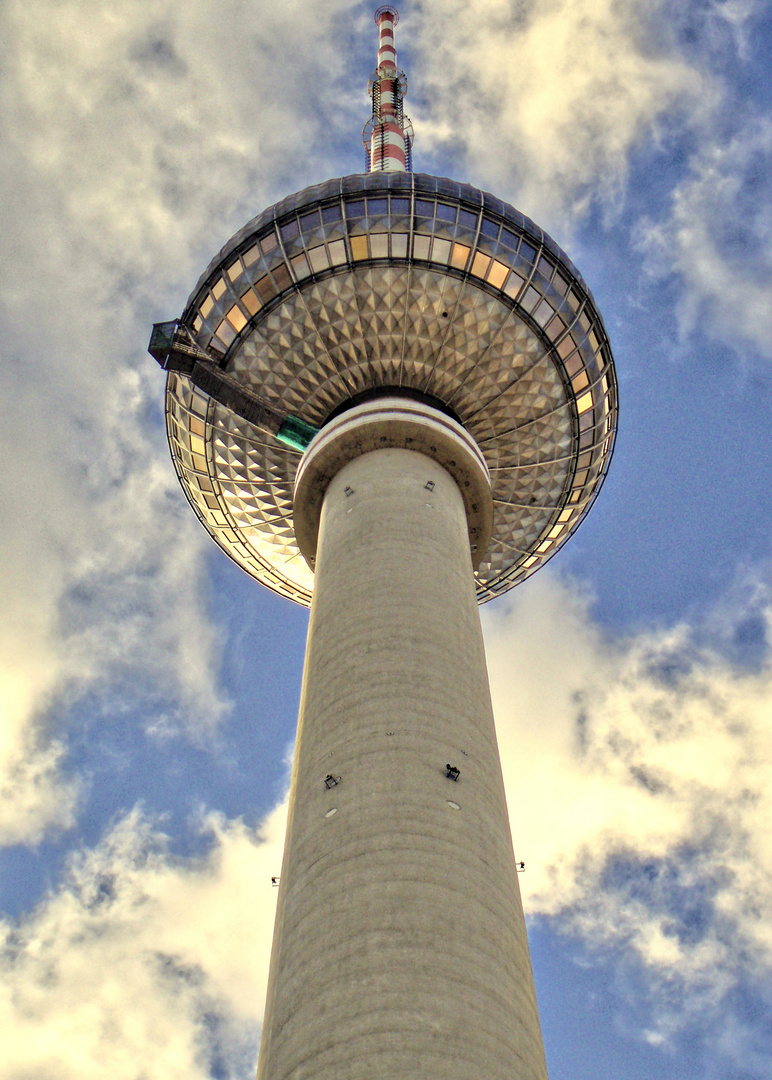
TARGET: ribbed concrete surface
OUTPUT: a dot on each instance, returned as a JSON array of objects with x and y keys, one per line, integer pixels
[{"x": 400, "y": 949}]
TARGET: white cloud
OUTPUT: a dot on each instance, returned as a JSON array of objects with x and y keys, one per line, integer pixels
[
  {"x": 737, "y": 16},
  {"x": 552, "y": 96},
  {"x": 135, "y": 139},
  {"x": 717, "y": 240},
  {"x": 639, "y": 774},
  {"x": 132, "y": 137},
  {"x": 143, "y": 964},
  {"x": 148, "y": 125},
  {"x": 33, "y": 795}
]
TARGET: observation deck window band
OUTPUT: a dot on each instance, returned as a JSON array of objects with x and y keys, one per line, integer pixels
[
  {"x": 490, "y": 203},
  {"x": 507, "y": 288}
]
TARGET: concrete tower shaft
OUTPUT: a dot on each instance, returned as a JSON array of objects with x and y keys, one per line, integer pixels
[{"x": 400, "y": 947}]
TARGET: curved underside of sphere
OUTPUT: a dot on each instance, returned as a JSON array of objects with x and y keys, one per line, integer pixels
[{"x": 407, "y": 282}]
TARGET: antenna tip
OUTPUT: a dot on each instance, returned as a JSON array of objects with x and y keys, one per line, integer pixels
[{"x": 387, "y": 9}]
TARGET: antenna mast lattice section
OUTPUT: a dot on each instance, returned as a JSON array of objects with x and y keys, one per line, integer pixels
[{"x": 388, "y": 134}]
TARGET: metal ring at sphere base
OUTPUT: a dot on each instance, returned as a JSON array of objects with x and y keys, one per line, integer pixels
[{"x": 385, "y": 424}]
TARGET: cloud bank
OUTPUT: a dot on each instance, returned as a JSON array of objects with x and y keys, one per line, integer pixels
[
  {"x": 554, "y": 97},
  {"x": 126, "y": 133},
  {"x": 639, "y": 774},
  {"x": 638, "y": 778},
  {"x": 716, "y": 240},
  {"x": 144, "y": 965}
]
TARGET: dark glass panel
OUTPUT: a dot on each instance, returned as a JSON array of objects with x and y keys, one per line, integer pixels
[
  {"x": 545, "y": 268},
  {"x": 282, "y": 277},
  {"x": 426, "y": 183},
  {"x": 376, "y": 181},
  {"x": 470, "y": 194},
  {"x": 395, "y": 180},
  {"x": 532, "y": 228},
  {"x": 448, "y": 187},
  {"x": 331, "y": 214},
  {"x": 560, "y": 284},
  {"x": 510, "y": 239},
  {"x": 352, "y": 183},
  {"x": 518, "y": 220},
  {"x": 309, "y": 221},
  {"x": 493, "y": 204},
  {"x": 265, "y": 288}
]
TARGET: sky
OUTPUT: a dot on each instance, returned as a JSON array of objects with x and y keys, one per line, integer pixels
[{"x": 149, "y": 688}]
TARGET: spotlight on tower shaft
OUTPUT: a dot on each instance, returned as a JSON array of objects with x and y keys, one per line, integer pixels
[{"x": 391, "y": 397}]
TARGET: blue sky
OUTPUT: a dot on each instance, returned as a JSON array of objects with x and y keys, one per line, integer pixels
[{"x": 149, "y": 689}]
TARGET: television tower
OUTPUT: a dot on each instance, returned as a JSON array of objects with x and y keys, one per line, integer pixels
[{"x": 391, "y": 396}]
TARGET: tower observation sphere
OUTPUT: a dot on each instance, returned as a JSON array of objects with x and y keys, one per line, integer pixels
[{"x": 391, "y": 397}]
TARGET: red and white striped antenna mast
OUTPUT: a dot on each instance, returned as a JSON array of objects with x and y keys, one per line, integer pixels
[{"x": 388, "y": 134}]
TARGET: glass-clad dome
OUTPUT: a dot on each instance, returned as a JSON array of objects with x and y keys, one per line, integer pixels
[{"x": 409, "y": 281}]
